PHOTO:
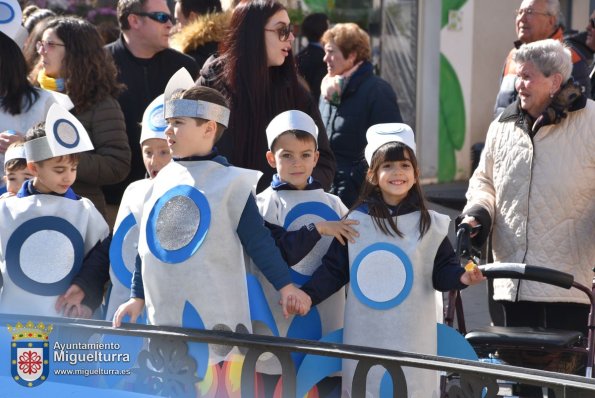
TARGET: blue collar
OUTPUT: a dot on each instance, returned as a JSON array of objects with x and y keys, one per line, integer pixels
[
  {"x": 214, "y": 156},
  {"x": 279, "y": 185},
  {"x": 28, "y": 190}
]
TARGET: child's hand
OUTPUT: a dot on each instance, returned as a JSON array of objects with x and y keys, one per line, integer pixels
[
  {"x": 472, "y": 275},
  {"x": 69, "y": 304},
  {"x": 82, "y": 311},
  {"x": 294, "y": 301},
  {"x": 132, "y": 307},
  {"x": 341, "y": 230}
]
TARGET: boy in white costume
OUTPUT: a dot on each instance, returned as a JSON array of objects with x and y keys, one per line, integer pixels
[
  {"x": 15, "y": 168},
  {"x": 198, "y": 217},
  {"x": 401, "y": 256},
  {"x": 47, "y": 229},
  {"x": 299, "y": 213}
]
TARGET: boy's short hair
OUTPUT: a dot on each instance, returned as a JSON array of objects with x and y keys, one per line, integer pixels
[
  {"x": 38, "y": 131},
  {"x": 17, "y": 163},
  {"x": 207, "y": 94},
  {"x": 300, "y": 135}
]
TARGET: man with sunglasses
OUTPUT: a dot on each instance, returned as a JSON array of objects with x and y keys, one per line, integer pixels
[
  {"x": 145, "y": 64},
  {"x": 536, "y": 20}
]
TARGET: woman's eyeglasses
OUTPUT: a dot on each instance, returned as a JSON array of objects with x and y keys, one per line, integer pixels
[
  {"x": 161, "y": 17},
  {"x": 283, "y": 31},
  {"x": 47, "y": 45},
  {"x": 592, "y": 21}
]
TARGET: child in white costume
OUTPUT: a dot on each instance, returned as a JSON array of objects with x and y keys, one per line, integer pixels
[
  {"x": 15, "y": 169},
  {"x": 299, "y": 212},
  {"x": 402, "y": 255},
  {"x": 47, "y": 229},
  {"x": 198, "y": 217},
  {"x": 124, "y": 245}
]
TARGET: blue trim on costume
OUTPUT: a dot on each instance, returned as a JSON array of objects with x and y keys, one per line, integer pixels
[
  {"x": 57, "y": 136},
  {"x": 319, "y": 209},
  {"x": 116, "y": 250},
  {"x": 18, "y": 238},
  {"x": 200, "y": 351},
  {"x": 402, "y": 295},
  {"x": 11, "y": 12},
  {"x": 182, "y": 254},
  {"x": 153, "y": 126}
]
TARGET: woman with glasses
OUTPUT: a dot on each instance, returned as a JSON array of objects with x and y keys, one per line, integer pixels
[
  {"x": 21, "y": 104},
  {"x": 351, "y": 100},
  {"x": 256, "y": 72},
  {"x": 75, "y": 63}
]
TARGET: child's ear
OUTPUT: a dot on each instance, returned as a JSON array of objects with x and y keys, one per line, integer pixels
[
  {"x": 316, "y": 157},
  {"x": 32, "y": 168},
  {"x": 211, "y": 127},
  {"x": 271, "y": 159},
  {"x": 371, "y": 178}
]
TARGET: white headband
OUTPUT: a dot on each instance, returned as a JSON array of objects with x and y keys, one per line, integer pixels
[
  {"x": 380, "y": 134},
  {"x": 291, "y": 120}
]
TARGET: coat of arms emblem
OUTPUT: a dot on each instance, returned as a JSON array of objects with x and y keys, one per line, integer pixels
[{"x": 29, "y": 353}]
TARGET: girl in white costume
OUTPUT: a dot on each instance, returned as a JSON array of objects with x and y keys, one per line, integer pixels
[{"x": 402, "y": 255}]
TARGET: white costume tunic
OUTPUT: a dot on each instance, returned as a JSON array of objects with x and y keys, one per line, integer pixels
[
  {"x": 193, "y": 267},
  {"x": 124, "y": 246},
  {"x": 43, "y": 241},
  {"x": 292, "y": 209},
  {"x": 391, "y": 302}
]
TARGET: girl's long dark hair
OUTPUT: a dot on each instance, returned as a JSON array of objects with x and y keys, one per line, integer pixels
[
  {"x": 18, "y": 95},
  {"x": 89, "y": 72},
  {"x": 372, "y": 197},
  {"x": 257, "y": 92}
]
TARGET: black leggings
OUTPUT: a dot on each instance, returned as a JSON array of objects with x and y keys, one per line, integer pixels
[{"x": 565, "y": 316}]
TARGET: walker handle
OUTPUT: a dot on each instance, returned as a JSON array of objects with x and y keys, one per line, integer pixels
[{"x": 528, "y": 272}]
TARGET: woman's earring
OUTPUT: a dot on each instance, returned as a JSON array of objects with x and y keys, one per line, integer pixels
[{"x": 551, "y": 95}]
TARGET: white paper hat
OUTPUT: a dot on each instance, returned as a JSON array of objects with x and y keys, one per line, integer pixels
[
  {"x": 291, "y": 120},
  {"x": 181, "y": 80},
  {"x": 14, "y": 152},
  {"x": 10, "y": 21},
  {"x": 153, "y": 125},
  {"x": 64, "y": 135},
  {"x": 380, "y": 134}
]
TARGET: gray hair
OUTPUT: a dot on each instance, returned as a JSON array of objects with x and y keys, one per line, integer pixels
[
  {"x": 553, "y": 8},
  {"x": 549, "y": 56}
]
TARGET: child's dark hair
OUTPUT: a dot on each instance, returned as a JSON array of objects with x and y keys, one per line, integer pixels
[
  {"x": 300, "y": 135},
  {"x": 371, "y": 195},
  {"x": 15, "y": 164},
  {"x": 201, "y": 93},
  {"x": 38, "y": 131}
]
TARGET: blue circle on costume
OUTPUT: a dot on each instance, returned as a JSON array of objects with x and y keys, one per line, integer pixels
[
  {"x": 116, "y": 250},
  {"x": 402, "y": 295},
  {"x": 157, "y": 113},
  {"x": 6, "y": 8},
  {"x": 18, "y": 238},
  {"x": 59, "y": 139},
  {"x": 183, "y": 253},
  {"x": 319, "y": 209}
]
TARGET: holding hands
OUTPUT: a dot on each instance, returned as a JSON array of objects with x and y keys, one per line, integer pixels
[
  {"x": 294, "y": 301},
  {"x": 340, "y": 230}
]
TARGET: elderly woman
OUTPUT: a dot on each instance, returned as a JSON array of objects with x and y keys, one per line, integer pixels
[
  {"x": 534, "y": 189},
  {"x": 352, "y": 99}
]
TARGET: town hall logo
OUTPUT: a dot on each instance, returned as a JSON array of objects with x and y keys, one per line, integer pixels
[{"x": 29, "y": 353}]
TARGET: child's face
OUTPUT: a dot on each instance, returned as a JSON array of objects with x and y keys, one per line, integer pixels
[
  {"x": 53, "y": 175},
  {"x": 395, "y": 179},
  {"x": 16, "y": 178},
  {"x": 155, "y": 155},
  {"x": 294, "y": 159},
  {"x": 185, "y": 138}
]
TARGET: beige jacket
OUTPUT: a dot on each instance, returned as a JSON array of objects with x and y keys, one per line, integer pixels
[{"x": 541, "y": 199}]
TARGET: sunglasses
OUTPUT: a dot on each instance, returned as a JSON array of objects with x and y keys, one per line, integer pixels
[
  {"x": 161, "y": 17},
  {"x": 47, "y": 45},
  {"x": 283, "y": 31},
  {"x": 592, "y": 21}
]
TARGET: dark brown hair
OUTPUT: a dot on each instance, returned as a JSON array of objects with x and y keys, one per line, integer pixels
[
  {"x": 300, "y": 135},
  {"x": 257, "y": 92},
  {"x": 89, "y": 72},
  {"x": 371, "y": 195},
  {"x": 127, "y": 7}
]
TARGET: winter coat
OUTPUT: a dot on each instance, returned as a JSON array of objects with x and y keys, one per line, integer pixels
[
  {"x": 201, "y": 37},
  {"x": 311, "y": 65},
  {"x": 540, "y": 195},
  {"x": 367, "y": 100},
  {"x": 109, "y": 162}
]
